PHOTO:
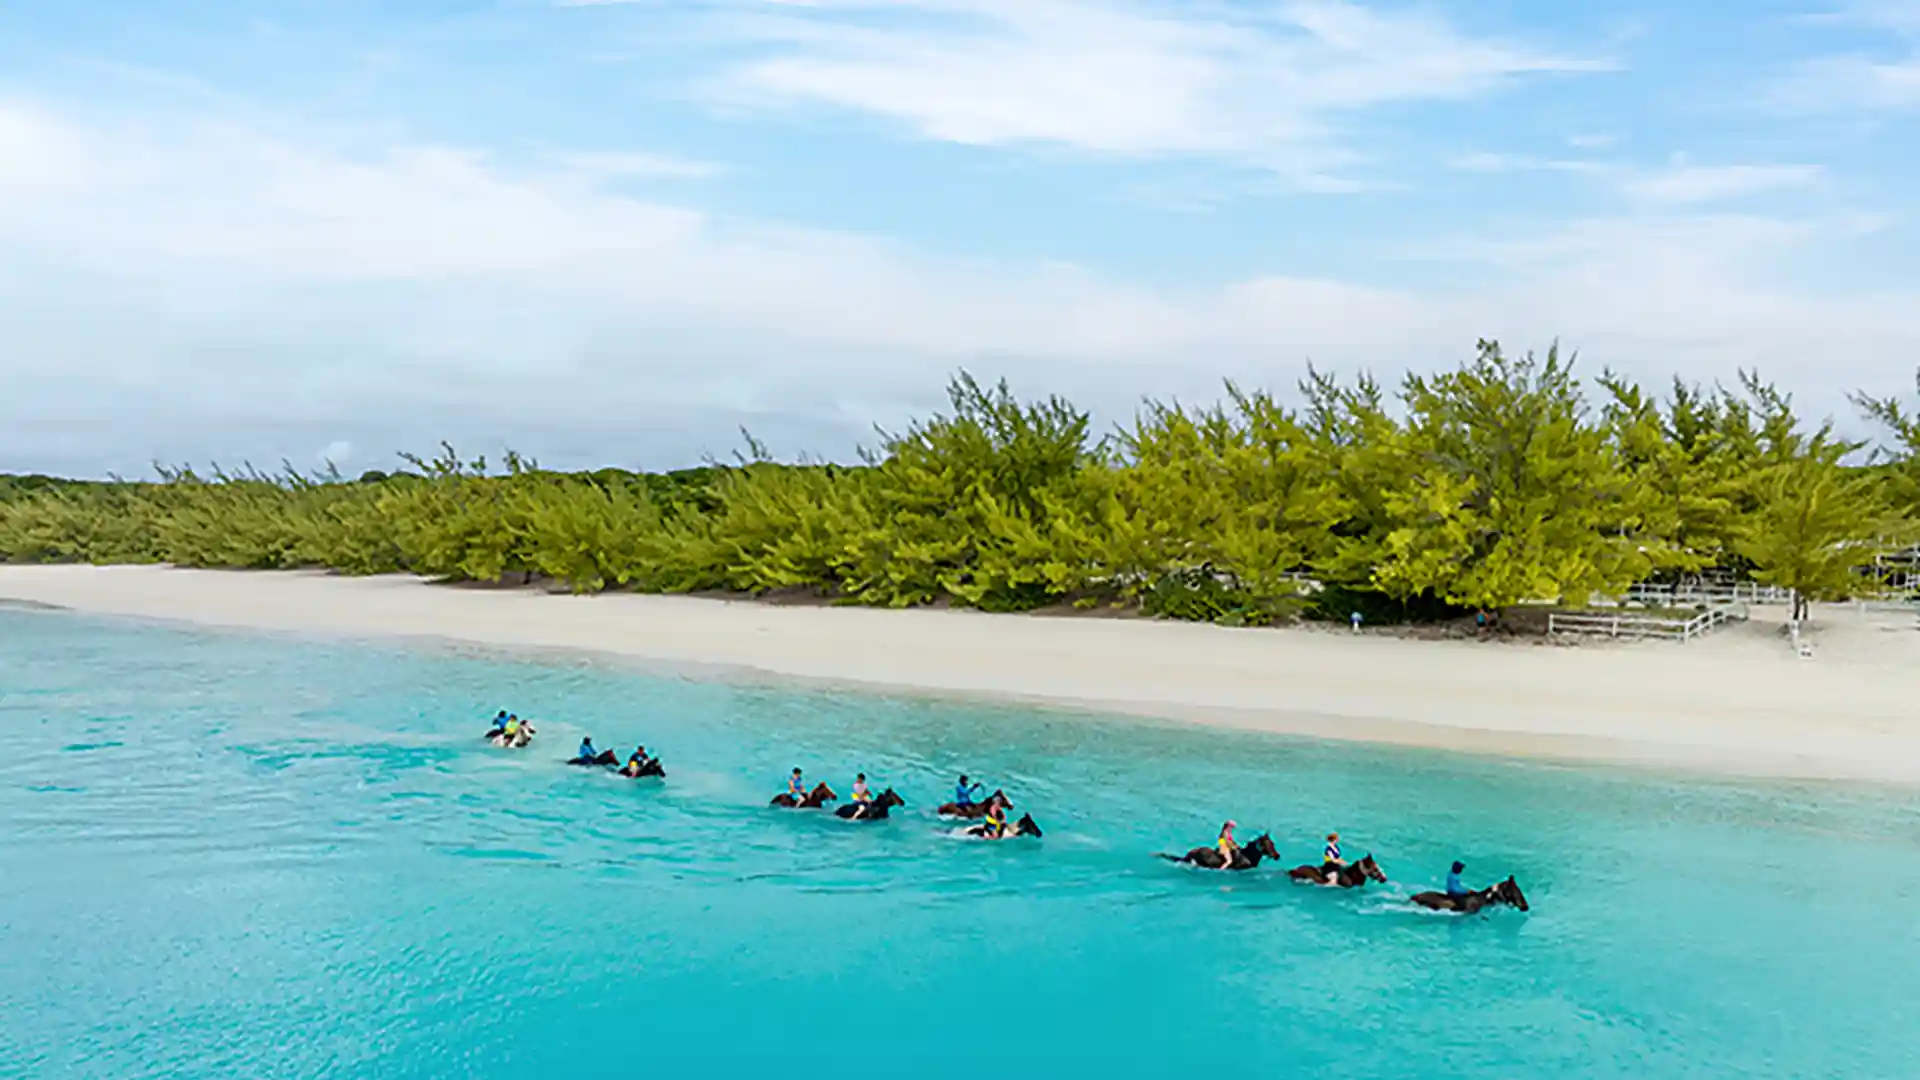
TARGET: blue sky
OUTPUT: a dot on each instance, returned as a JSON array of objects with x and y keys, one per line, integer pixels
[{"x": 618, "y": 232}]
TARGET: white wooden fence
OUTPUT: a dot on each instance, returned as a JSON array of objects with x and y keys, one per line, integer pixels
[
  {"x": 1627, "y": 625},
  {"x": 1744, "y": 592}
]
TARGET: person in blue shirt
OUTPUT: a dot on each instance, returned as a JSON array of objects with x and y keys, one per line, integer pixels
[
  {"x": 963, "y": 793},
  {"x": 797, "y": 787},
  {"x": 499, "y": 724},
  {"x": 1454, "y": 887},
  {"x": 586, "y": 749},
  {"x": 1331, "y": 856}
]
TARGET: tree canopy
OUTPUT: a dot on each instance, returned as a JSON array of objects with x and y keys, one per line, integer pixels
[{"x": 1495, "y": 483}]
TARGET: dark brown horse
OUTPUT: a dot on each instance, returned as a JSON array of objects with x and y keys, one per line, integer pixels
[
  {"x": 873, "y": 809},
  {"x": 1026, "y": 826},
  {"x": 649, "y": 767},
  {"x": 1248, "y": 857},
  {"x": 976, "y": 810},
  {"x": 820, "y": 796},
  {"x": 1351, "y": 876},
  {"x": 1506, "y": 892},
  {"x": 604, "y": 757}
]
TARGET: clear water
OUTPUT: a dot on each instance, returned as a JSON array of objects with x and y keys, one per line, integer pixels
[{"x": 234, "y": 856}]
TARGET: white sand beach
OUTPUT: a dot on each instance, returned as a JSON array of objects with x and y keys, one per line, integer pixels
[{"x": 1737, "y": 701}]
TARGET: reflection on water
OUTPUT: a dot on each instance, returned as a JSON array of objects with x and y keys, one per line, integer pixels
[{"x": 240, "y": 857}]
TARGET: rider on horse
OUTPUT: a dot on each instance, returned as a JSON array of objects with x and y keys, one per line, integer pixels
[
  {"x": 995, "y": 827},
  {"x": 1229, "y": 848},
  {"x": 1331, "y": 857},
  {"x": 963, "y": 793}
]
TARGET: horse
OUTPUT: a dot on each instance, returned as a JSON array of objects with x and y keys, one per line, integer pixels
[
  {"x": 974, "y": 810},
  {"x": 1248, "y": 857},
  {"x": 1350, "y": 876},
  {"x": 1506, "y": 892},
  {"x": 604, "y": 757},
  {"x": 649, "y": 767},
  {"x": 820, "y": 796},
  {"x": 1026, "y": 826},
  {"x": 872, "y": 810}
]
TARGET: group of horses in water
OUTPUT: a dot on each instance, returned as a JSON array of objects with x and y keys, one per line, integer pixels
[
  {"x": 1353, "y": 875},
  {"x": 877, "y": 808},
  {"x": 993, "y": 826}
]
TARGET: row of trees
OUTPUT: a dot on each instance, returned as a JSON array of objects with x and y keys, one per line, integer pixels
[{"x": 1500, "y": 482}]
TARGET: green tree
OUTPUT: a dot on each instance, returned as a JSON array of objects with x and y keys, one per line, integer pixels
[
  {"x": 1817, "y": 523},
  {"x": 1511, "y": 494}
]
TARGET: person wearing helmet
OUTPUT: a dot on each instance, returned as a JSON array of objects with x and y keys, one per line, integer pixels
[
  {"x": 1229, "y": 847},
  {"x": 994, "y": 825}
]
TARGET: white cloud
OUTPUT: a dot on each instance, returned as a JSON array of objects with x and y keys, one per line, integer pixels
[
  {"x": 1858, "y": 81},
  {"x": 1898, "y": 16},
  {"x": 200, "y": 290},
  {"x": 1508, "y": 163},
  {"x": 638, "y": 166},
  {"x": 1121, "y": 78},
  {"x": 1685, "y": 184}
]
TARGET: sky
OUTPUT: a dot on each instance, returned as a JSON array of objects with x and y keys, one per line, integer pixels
[{"x": 608, "y": 232}]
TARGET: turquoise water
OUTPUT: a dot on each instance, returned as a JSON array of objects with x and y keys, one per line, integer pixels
[{"x": 236, "y": 856}]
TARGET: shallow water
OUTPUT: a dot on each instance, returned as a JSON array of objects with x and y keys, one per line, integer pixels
[{"x": 238, "y": 856}]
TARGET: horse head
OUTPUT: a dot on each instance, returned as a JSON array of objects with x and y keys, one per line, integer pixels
[
  {"x": 889, "y": 798},
  {"x": 1026, "y": 826},
  {"x": 1261, "y": 847},
  {"x": 1370, "y": 869},
  {"x": 821, "y": 794},
  {"x": 1002, "y": 797},
  {"x": 1508, "y": 892}
]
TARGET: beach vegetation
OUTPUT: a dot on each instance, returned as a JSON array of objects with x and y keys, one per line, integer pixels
[{"x": 1508, "y": 480}]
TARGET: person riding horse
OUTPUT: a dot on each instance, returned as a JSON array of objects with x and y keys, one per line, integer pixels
[
  {"x": 1471, "y": 902},
  {"x": 1229, "y": 849}
]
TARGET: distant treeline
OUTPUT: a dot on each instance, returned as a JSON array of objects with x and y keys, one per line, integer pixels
[{"x": 1503, "y": 481}]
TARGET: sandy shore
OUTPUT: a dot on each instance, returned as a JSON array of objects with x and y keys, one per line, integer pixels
[{"x": 1738, "y": 701}]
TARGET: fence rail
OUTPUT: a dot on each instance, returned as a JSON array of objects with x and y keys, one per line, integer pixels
[
  {"x": 1746, "y": 592},
  {"x": 1650, "y": 626}
]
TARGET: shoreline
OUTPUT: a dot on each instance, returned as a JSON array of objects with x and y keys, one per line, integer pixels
[{"x": 1737, "y": 702}]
